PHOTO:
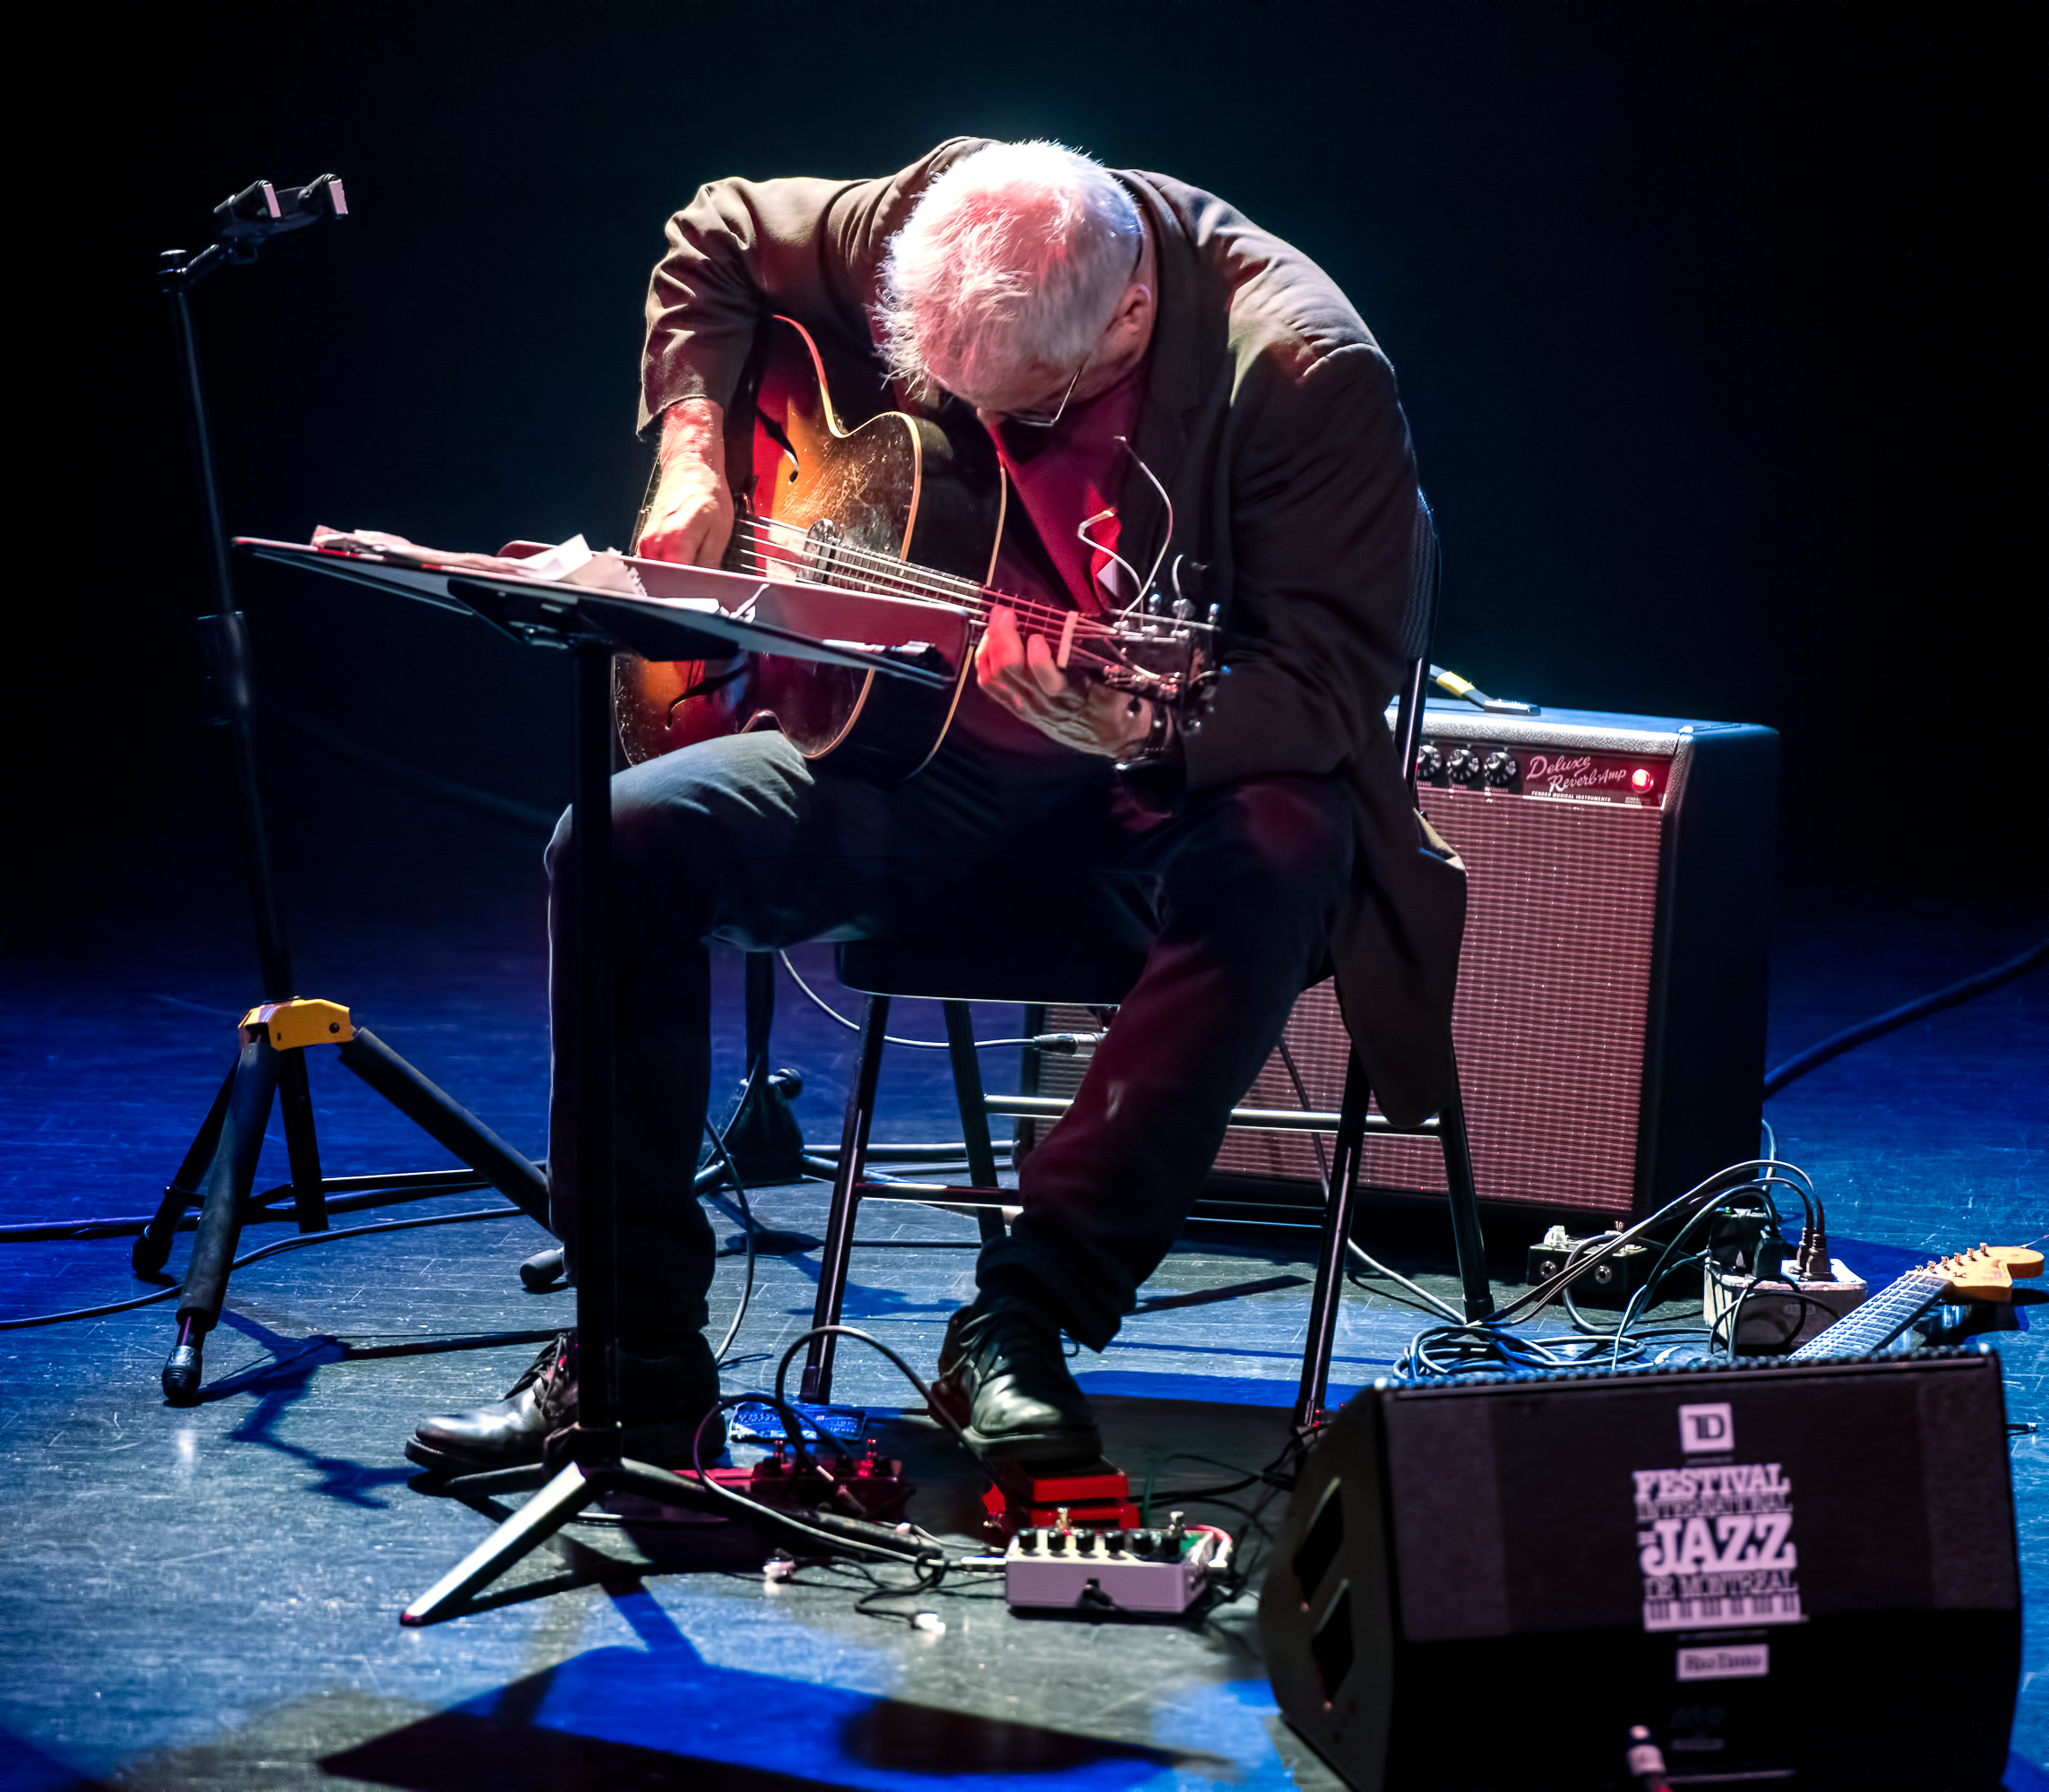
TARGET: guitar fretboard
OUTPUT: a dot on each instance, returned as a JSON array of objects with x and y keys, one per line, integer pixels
[{"x": 1880, "y": 1320}]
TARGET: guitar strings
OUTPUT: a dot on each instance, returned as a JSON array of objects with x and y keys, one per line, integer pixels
[
  {"x": 886, "y": 577},
  {"x": 882, "y": 574},
  {"x": 907, "y": 571},
  {"x": 762, "y": 534},
  {"x": 1041, "y": 618}
]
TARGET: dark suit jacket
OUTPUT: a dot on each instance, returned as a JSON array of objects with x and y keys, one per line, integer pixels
[{"x": 1270, "y": 416}]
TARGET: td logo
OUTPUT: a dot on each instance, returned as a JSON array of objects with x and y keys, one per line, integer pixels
[{"x": 1706, "y": 1427}]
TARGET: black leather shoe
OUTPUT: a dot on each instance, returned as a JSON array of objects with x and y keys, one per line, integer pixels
[
  {"x": 1004, "y": 1379},
  {"x": 661, "y": 1398}
]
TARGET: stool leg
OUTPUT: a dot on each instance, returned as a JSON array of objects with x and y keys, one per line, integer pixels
[
  {"x": 817, "y": 1385},
  {"x": 1465, "y": 1205},
  {"x": 974, "y": 1112},
  {"x": 1330, "y": 1287}
]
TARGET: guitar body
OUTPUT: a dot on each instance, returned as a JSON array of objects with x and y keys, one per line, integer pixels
[{"x": 895, "y": 487}]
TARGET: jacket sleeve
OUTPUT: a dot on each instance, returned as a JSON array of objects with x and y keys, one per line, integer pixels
[
  {"x": 743, "y": 249},
  {"x": 1322, "y": 506}
]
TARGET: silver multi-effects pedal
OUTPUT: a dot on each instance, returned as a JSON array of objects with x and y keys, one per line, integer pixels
[{"x": 1061, "y": 1567}]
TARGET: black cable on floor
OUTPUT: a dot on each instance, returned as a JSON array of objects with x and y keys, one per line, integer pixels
[
  {"x": 1864, "y": 1031},
  {"x": 747, "y": 1216},
  {"x": 299, "y": 1244}
]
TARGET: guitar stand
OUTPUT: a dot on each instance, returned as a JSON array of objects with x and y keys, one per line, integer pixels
[
  {"x": 219, "y": 1170},
  {"x": 221, "y": 1167}
]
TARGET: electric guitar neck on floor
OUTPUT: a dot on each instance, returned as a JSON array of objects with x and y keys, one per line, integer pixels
[
  {"x": 896, "y": 507},
  {"x": 1986, "y": 1273}
]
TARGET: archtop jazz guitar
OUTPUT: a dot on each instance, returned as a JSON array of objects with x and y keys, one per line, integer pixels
[{"x": 895, "y": 507}]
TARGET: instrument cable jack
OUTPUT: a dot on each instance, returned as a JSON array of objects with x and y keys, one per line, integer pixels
[
  {"x": 1645, "y": 1761},
  {"x": 1446, "y": 680},
  {"x": 1813, "y": 1256}
]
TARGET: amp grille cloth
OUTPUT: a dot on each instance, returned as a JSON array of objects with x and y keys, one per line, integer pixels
[{"x": 1554, "y": 992}]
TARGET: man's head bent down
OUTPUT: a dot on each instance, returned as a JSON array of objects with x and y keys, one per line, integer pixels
[{"x": 1011, "y": 268}]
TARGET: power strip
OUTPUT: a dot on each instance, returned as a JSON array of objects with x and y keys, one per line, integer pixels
[
  {"x": 1775, "y": 1319},
  {"x": 1060, "y": 1569}
]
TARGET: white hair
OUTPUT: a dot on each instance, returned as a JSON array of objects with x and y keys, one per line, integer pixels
[{"x": 1014, "y": 258}]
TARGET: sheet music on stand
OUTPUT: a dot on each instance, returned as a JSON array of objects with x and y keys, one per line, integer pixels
[{"x": 543, "y": 594}]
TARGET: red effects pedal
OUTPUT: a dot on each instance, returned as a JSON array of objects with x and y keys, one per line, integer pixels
[{"x": 1095, "y": 1496}]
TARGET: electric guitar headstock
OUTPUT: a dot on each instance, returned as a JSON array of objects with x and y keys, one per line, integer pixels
[{"x": 1987, "y": 1273}]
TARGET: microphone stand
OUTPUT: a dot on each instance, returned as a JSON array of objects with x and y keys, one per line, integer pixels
[{"x": 219, "y": 1170}]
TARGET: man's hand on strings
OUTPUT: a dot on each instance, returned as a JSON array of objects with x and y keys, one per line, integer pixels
[
  {"x": 1018, "y": 671},
  {"x": 691, "y": 518}
]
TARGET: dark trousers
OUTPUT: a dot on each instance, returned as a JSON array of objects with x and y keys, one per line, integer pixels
[{"x": 739, "y": 840}]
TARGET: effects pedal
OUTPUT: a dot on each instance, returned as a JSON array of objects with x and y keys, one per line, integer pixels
[
  {"x": 1057, "y": 1567},
  {"x": 867, "y": 1486},
  {"x": 756, "y": 1419},
  {"x": 1607, "y": 1283},
  {"x": 1095, "y": 1497}
]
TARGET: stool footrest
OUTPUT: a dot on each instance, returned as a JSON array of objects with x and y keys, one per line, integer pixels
[
  {"x": 1249, "y": 1119},
  {"x": 935, "y": 1194}
]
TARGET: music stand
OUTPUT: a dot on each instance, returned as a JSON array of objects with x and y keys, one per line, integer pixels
[{"x": 711, "y": 615}]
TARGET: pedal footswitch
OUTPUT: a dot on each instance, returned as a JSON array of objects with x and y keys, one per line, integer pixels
[{"x": 1094, "y": 1496}]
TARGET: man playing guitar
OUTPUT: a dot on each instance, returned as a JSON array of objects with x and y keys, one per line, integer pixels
[{"x": 1164, "y": 385}]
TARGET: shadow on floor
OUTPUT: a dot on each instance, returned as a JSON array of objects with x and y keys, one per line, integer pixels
[{"x": 666, "y": 1718}]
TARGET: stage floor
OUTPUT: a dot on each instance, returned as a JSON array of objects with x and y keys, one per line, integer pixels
[{"x": 209, "y": 1598}]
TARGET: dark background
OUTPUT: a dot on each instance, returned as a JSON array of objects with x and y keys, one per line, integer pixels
[{"x": 1718, "y": 326}]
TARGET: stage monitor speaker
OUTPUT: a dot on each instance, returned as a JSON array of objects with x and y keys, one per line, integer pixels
[
  {"x": 1611, "y": 1006},
  {"x": 1795, "y": 1573}
]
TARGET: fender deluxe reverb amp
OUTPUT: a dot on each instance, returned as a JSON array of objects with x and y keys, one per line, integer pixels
[{"x": 1611, "y": 1006}]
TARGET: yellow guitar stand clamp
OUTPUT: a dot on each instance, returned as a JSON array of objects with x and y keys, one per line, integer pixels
[
  {"x": 219, "y": 1172},
  {"x": 294, "y": 1025}
]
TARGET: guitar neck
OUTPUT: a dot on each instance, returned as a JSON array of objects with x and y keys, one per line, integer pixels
[
  {"x": 833, "y": 562},
  {"x": 1879, "y": 1321}
]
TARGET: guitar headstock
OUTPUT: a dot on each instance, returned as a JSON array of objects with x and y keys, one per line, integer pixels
[{"x": 1987, "y": 1273}]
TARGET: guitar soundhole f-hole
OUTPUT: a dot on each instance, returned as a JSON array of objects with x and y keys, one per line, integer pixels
[{"x": 778, "y": 435}]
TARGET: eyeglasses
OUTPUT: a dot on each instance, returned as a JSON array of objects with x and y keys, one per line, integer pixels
[{"x": 1032, "y": 420}]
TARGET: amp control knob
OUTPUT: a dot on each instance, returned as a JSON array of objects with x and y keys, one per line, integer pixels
[
  {"x": 1464, "y": 766},
  {"x": 1429, "y": 762},
  {"x": 1501, "y": 768}
]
